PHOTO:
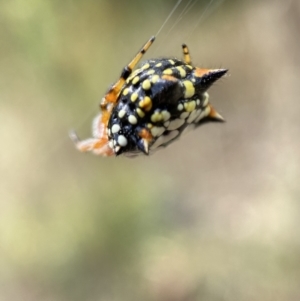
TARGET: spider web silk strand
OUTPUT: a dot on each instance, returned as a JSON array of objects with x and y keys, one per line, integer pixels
[{"x": 169, "y": 16}]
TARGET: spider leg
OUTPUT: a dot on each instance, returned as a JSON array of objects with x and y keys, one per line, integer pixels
[
  {"x": 186, "y": 54},
  {"x": 113, "y": 93},
  {"x": 99, "y": 146}
]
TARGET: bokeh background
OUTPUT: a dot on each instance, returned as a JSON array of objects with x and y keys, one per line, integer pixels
[{"x": 215, "y": 216}]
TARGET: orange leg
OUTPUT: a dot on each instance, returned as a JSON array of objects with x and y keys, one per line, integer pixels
[
  {"x": 113, "y": 94},
  {"x": 97, "y": 146},
  {"x": 186, "y": 54}
]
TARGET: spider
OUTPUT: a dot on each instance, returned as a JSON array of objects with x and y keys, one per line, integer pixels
[{"x": 150, "y": 107}]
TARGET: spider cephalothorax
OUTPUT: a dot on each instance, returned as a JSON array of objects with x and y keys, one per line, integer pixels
[{"x": 152, "y": 106}]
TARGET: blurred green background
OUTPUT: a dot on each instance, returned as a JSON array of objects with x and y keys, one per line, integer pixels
[{"x": 215, "y": 216}]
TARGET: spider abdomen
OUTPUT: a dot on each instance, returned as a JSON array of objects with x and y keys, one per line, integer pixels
[{"x": 160, "y": 99}]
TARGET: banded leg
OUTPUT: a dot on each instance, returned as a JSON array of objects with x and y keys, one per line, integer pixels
[
  {"x": 113, "y": 94},
  {"x": 97, "y": 146},
  {"x": 186, "y": 54}
]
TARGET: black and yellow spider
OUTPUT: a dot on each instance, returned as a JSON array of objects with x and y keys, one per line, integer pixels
[{"x": 150, "y": 107}]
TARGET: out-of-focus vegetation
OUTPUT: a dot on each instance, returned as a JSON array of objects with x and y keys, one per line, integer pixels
[{"x": 213, "y": 217}]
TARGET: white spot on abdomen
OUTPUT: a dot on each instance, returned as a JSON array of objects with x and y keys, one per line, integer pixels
[
  {"x": 122, "y": 140},
  {"x": 132, "y": 119},
  {"x": 175, "y": 124},
  {"x": 193, "y": 116},
  {"x": 203, "y": 114},
  {"x": 164, "y": 139},
  {"x": 115, "y": 128},
  {"x": 156, "y": 131},
  {"x": 184, "y": 115}
]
